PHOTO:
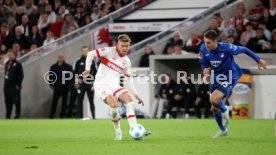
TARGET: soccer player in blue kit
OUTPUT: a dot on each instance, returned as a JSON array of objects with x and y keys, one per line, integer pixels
[{"x": 220, "y": 69}]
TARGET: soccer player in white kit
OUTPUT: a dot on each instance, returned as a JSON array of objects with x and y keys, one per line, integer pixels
[{"x": 114, "y": 62}]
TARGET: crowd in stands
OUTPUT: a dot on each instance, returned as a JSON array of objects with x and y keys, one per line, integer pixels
[
  {"x": 29, "y": 24},
  {"x": 254, "y": 28}
]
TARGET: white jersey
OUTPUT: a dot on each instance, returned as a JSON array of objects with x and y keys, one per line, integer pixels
[{"x": 112, "y": 66}]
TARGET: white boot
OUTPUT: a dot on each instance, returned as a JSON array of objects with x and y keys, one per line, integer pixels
[
  {"x": 220, "y": 134},
  {"x": 225, "y": 117},
  {"x": 118, "y": 135}
]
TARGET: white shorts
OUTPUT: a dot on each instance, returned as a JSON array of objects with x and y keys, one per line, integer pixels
[{"x": 103, "y": 89}]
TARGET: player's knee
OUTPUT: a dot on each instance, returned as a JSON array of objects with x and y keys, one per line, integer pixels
[
  {"x": 125, "y": 98},
  {"x": 214, "y": 100},
  {"x": 113, "y": 105},
  {"x": 214, "y": 109},
  {"x": 111, "y": 101}
]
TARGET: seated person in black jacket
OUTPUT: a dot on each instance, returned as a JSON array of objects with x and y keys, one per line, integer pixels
[
  {"x": 175, "y": 40},
  {"x": 184, "y": 95},
  {"x": 144, "y": 61},
  {"x": 260, "y": 43},
  {"x": 166, "y": 93},
  {"x": 202, "y": 100},
  {"x": 161, "y": 99}
]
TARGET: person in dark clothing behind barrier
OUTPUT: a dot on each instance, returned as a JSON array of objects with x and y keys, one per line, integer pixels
[
  {"x": 161, "y": 99},
  {"x": 59, "y": 85},
  {"x": 12, "y": 85},
  {"x": 167, "y": 91},
  {"x": 202, "y": 100},
  {"x": 175, "y": 40},
  {"x": 73, "y": 95},
  {"x": 184, "y": 94},
  {"x": 85, "y": 84},
  {"x": 144, "y": 61}
]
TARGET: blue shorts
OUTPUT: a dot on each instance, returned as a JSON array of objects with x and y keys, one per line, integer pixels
[{"x": 224, "y": 87}]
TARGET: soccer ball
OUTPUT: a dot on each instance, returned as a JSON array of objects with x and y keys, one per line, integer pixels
[{"x": 137, "y": 132}]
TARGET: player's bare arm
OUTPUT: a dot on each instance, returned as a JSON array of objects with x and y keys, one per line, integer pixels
[
  {"x": 133, "y": 90},
  {"x": 90, "y": 56}
]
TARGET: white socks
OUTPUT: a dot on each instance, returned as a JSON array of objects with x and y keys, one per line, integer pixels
[
  {"x": 131, "y": 117},
  {"x": 115, "y": 118}
]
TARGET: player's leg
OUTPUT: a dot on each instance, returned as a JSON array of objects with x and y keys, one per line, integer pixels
[
  {"x": 114, "y": 111},
  {"x": 126, "y": 99},
  {"x": 216, "y": 100},
  {"x": 104, "y": 91},
  {"x": 217, "y": 115},
  {"x": 218, "y": 107},
  {"x": 222, "y": 91}
]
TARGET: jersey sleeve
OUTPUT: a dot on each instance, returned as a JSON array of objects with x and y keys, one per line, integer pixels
[
  {"x": 235, "y": 50},
  {"x": 203, "y": 60},
  {"x": 127, "y": 70},
  {"x": 103, "y": 52}
]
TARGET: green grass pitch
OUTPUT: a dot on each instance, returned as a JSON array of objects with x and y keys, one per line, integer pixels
[{"x": 169, "y": 137}]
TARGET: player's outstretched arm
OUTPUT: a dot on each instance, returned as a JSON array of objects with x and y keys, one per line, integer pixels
[
  {"x": 240, "y": 49},
  {"x": 89, "y": 58},
  {"x": 132, "y": 88}
]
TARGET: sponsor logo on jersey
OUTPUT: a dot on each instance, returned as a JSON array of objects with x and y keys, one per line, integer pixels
[
  {"x": 215, "y": 63},
  {"x": 111, "y": 65},
  {"x": 114, "y": 67}
]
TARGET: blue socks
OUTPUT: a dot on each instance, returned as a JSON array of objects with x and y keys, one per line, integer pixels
[
  {"x": 221, "y": 106},
  {"x": 218, "y": 118}
]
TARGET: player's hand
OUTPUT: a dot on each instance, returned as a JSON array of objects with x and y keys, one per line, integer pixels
[
  {"x": 140, "y": 101},
  {"x": 207, "y": 71},
  {"x": 206, "y": 78},
  {"x": 262, "y": 64},
  {"x": 85, "y": 73}
]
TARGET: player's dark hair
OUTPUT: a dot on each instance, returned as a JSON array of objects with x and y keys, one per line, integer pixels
[
  {"x": 211, "y": 34},
  {"x": 124, "y": 38}
]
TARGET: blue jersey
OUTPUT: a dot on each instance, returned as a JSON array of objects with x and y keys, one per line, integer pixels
[{"x": 221, "y": 60}]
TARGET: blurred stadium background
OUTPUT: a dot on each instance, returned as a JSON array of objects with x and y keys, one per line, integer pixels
[{"x": 150, "y": 23}]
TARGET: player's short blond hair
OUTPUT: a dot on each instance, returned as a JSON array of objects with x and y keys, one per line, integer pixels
[{"x": 124, "y": 38}]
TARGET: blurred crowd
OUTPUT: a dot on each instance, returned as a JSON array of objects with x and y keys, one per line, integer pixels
[
  {"x": 29, "y": 24},
  {"x": 254, "y": 28}
]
